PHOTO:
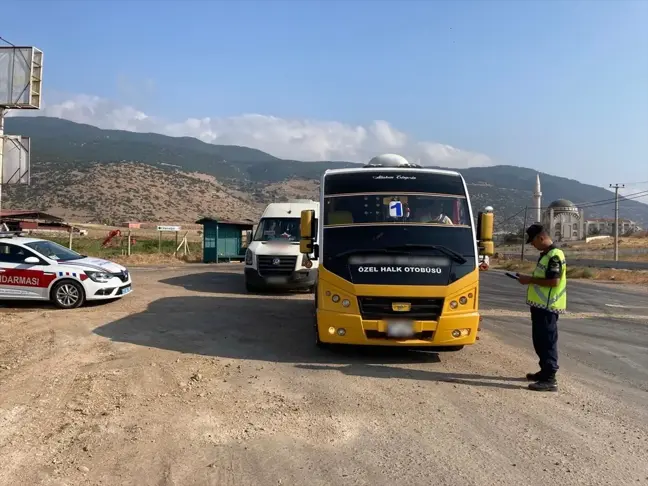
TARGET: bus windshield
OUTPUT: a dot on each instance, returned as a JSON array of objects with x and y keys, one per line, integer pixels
[
  {"x": 384, "y": 229},
  {"x": 399, "y": 208}
]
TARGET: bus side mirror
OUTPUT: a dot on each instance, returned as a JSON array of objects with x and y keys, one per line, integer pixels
[
  {"x": 308, "y": 231},
  {"x": 485, "y": 225}
]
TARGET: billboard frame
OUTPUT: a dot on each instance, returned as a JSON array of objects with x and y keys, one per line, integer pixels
[
  {"x": 20, "y": 169},
  {"x": 24, "y": 77}
]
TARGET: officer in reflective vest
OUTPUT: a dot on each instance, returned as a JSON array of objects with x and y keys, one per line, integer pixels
[{"x": 547, "y": 298}]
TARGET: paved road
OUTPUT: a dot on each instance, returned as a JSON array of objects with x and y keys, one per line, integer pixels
[
  {"x": 604, "y": 335},
  {"x": 589, "y": 262}
]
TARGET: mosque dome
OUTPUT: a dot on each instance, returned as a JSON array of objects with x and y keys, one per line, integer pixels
[{"x": 560, "y": 205}]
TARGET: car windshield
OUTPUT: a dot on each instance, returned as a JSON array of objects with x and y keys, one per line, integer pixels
[
  {"x": 54, "y": 251},
  {"x": 278, "y": 229}
]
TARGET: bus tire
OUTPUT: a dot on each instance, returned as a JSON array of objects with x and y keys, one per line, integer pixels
[
  {"x": 318, "y": 341},
  {"x": 451, "y": 349}
]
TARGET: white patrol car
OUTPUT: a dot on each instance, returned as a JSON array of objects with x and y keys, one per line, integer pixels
[{"x": 36, "y": 269}]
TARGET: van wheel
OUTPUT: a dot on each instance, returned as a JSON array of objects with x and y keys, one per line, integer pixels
[
  {"x": 251, "y": 288},
  {"x": 68, "y": 294}
]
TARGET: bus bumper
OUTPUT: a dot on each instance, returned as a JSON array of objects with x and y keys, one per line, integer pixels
[{"x": 338, "y": 328}]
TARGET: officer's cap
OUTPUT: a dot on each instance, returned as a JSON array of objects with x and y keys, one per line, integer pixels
[{"x": 533, "y": 231}]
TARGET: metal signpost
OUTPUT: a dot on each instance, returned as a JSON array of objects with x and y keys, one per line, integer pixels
[
  {"x": 21, "y": 74},
  {"x": 160, "y": 229}
]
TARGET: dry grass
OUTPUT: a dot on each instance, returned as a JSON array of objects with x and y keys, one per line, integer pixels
[
  {"x": 599, "y": 274},
  {"x": 636, "y": 241},
  {"x": 156, "y": 259}
]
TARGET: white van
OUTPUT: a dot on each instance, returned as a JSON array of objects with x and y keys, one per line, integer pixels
[{"x": 272, "y": 259}]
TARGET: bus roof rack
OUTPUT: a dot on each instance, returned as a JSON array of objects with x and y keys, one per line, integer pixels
[
  {"x": 390, "y": 160},
  {"x": 405, "y": 166}
]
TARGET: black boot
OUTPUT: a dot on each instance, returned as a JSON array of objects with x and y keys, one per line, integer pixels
[
  {"x": 549, "y": 384},
  {"x": 534, "y": 376}
]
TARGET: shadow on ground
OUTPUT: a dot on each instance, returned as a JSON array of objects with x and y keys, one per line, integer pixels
[
  {"x": 19, "y": 305},
  {"x": 263, "y": 329},
  {"x": 391, "y": 372},
  {"x": 218, "y": 282}
]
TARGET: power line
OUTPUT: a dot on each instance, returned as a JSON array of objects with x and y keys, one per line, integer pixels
[
  {"x": 629, "y": 197},
  {"x": 634, "y": 183}
]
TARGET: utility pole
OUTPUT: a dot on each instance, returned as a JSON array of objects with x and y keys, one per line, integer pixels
[
  {"x": 2, "y": 119},
  {"x": 616, "y": 188},
  {"x": 524, "y": 228}
]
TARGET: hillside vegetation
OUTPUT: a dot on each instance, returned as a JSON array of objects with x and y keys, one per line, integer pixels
[{"x": 80, "y": 171}]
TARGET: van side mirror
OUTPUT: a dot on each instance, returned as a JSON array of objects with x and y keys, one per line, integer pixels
[
  {"x": 32, "y": 260},
  {"x": 485, "y": 229},
  {"x": 307, "y": 231}
]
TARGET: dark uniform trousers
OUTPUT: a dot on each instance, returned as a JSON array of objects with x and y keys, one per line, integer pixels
[{"x": 544, "y": 329}]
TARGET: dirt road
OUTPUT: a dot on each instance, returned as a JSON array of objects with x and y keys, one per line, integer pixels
[{"x": 189, "y": 381}]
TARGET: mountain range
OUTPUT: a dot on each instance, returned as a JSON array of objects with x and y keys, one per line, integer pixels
[{"x": 85, "y": 173}]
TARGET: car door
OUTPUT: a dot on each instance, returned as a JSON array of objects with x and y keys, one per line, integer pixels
[{"x": 22, "y": 280}]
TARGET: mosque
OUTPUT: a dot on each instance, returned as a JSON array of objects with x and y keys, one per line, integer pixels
[{"x": 562, "y": 218}]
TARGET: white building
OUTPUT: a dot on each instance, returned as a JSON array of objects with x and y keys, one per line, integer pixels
[
  {"x": 563, "y": 220},
  {"x": 605, "y": 226}
]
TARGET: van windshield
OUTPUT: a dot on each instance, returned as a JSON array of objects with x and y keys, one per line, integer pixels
[{"x": 278, "y": 229}]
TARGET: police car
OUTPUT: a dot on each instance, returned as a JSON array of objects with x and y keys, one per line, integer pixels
[{"x": 36, "y": 269}]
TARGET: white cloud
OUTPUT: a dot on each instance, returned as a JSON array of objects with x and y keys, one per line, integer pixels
[{"x": 307, "y": 140}]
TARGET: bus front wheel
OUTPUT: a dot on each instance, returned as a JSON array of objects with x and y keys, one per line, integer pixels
[{"x": 450, "y": 348}]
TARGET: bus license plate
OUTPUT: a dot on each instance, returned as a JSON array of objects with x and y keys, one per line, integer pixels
[{"x": 400, "y": 329}]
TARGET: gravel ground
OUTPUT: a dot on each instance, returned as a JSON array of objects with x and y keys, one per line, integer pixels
[{"x": 190, "y": 381}]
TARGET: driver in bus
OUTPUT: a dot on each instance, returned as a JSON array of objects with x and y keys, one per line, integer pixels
[{"x": 434, "y": 214}]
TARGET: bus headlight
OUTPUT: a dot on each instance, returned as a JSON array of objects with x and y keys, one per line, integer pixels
[
  {"x": 465, "y": 301},
  {"x": 346, "y": 303},
  {"x": 335, "y": 298}
]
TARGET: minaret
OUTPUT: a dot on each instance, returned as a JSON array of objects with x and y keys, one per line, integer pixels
[{"x": 537, "y": 200}]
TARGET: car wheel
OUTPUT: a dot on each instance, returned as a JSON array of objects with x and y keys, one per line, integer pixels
[{"x": 68, "y": 294}]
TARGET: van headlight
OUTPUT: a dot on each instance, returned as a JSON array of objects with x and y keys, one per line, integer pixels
[
  {"x": 249, "y": 257},
  {"x": 99, "y": 277}
]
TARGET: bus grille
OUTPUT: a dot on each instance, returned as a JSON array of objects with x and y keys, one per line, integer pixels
[
  {"x": 423, "y": 309},
  {"x": 270, "y": 265}
]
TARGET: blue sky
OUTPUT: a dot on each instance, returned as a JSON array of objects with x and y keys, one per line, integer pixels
[{"x": 561, "y": 86}]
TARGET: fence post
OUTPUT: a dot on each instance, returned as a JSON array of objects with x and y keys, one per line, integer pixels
[
  {"x": 129, "y": 243},
  {"x": 70, "y": 237}
]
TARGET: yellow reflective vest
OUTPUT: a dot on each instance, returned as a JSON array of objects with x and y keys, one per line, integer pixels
[{"x": 553, "y": 299}]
